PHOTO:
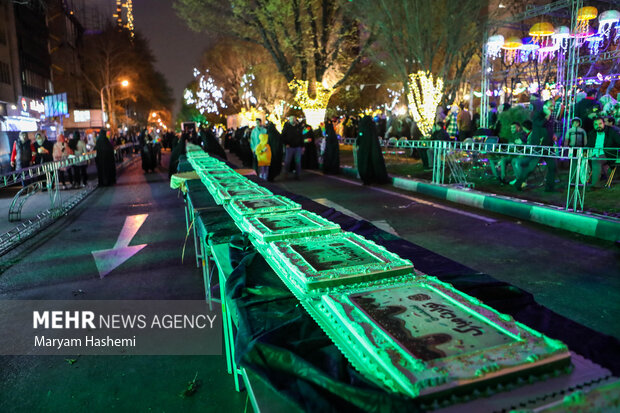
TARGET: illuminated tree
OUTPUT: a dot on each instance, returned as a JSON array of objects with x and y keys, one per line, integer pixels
[
  {"x": 313, "y": 43},
  {"x": 207, "y": 96},
  {"x": 111, "y": 56},
  {"x": 247, "y": 74},
  {"x": 438, "y": 37}
]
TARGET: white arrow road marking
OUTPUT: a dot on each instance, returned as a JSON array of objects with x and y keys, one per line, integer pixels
[
  {"x": 107, "y": 260},
  {"x": 381, "y": 224}
]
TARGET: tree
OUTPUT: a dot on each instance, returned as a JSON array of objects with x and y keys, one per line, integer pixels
[
  {"x": 313, "y": 43},
  {"x": 420, "y": 38},
  {"x": 247, "y": 75},
  {"x": 111, "y": 56}
]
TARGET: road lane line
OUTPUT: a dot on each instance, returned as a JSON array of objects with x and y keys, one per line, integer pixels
[
  {"x": 381, "y": 224},
  {"x": 411, "y": 198}
]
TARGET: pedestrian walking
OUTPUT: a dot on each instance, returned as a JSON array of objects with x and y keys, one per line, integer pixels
[
  {"x": 331, "y": 156},
  {"x": 21, "y": 154},
  {"x": 106, "y": 165},
  {"x": 293, "y": 140},
  {"x": 62, "y": 152},
  {"x": 370, "y": 162},
  {"x": 148, "y": 155},
  {"x": 277, "y": 152}
]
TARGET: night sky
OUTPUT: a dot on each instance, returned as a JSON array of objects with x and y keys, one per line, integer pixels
[{"x": 175, "y": 46}]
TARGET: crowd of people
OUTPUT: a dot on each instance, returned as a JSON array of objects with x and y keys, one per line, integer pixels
[
  {"x": 298, "y": 146},
  {"x": 31, "y": 149},
  {"x": 27, "y": 152}
]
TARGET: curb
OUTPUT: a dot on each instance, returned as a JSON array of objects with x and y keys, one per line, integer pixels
[{"x": 556, "y": 217}]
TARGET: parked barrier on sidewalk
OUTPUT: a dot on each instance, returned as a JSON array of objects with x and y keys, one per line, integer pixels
[{"x": 446, "y": 152}]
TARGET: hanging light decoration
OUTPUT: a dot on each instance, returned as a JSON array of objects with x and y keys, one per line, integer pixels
[
  {"x": 584, "y": 15},
  {"x": 424, "y": 95},
  {"x": 560, "y": 37},
  {"x": 494, "y": 46},
  {"x": 541, "y": 33},
  {"x": 559, "y": 40},
  {"x": 511, "y": 47},
  {"x": 314, "y": 109},
  {"x": 606, "y": 21},
  {"x": 528, "y": 49},
  {"x": 594, "y": 43}
]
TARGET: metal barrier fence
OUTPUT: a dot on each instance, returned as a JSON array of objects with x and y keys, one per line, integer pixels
[
  {"x": 27, "y": 174},
  {"x": 58, "y": 207},
  {"x": 445, "y": 152}
]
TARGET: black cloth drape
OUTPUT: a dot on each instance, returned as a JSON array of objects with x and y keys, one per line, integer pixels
[
  {"x": 370, "y": 162},
  {"x": 106, "y": 164}
]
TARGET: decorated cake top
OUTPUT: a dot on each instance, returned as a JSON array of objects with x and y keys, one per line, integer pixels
[
  {"x": 334, "y": 260},
  {"x": 287, "y": 226},
  {"x": 423, "y": 336},
  {"x": 265, "y": 205},
  {"x": 224, "y": 195}
]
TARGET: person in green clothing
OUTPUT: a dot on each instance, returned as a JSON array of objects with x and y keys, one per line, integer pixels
[
  {"x": 370, "y": 162},
  {"x": 255, "y": 140}
]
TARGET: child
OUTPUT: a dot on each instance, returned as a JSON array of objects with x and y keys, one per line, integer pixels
[
  {"x": 263, "y": 156},
  {"x": 576, "y": 136}
]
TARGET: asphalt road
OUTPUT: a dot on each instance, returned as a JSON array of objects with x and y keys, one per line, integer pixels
[{"x": 58, "y": 264}]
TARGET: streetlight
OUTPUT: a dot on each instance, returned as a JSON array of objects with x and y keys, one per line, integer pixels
[{"x": 123, "y": 83}]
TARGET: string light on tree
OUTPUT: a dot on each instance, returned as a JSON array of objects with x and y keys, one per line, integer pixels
[
  {"x": 246, "y": 89},
  {"x": 314, "y": 108},
  {"x": 395, "y": 96},
  {"x": 209, "y": 97},
  {"x": 424, "y": 95}
]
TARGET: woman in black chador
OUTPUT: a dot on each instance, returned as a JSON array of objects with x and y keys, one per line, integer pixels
[
  {"x": 277, "y": 153},
  {"x": 370, "y": 163},
  {"x": 106, "y": 166},
  {"x": 331, "y": 156},
  {"x": 177, "y": 151},
  {"x": 310, "y": 158},
  {"x": 149, "y": 156},
  {"x": 211, "y": 145}
]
